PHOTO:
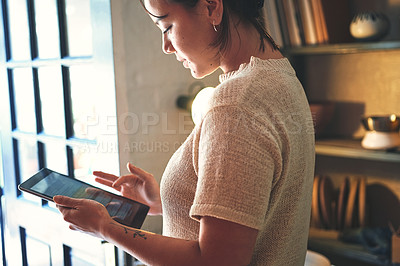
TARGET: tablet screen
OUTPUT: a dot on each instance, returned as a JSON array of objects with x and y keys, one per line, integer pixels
[{"x": 47, "y": 184}]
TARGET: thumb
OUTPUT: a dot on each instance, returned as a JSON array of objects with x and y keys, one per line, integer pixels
[
  {"x": 130, "y": 167},
  {"x": 65, "y": 201},
  {"x": 142, "y": 174}
]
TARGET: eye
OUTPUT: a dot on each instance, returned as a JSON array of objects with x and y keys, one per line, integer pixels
[{"x": 165, "y": 31}]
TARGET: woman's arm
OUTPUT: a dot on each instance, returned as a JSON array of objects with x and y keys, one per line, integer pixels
[{"x": 220, "y": 242}]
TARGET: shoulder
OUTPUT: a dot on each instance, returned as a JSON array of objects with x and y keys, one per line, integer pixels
[
  {"x": 259, "y": 83},
  {"x": 263, "y": 92}
]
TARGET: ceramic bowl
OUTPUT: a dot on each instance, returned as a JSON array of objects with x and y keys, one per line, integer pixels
[
  {"x": 369, "y": 26},
  {"x": 382, "y": 123}
]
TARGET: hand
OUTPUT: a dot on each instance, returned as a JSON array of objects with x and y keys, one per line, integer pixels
[
  {"x": 139, "y": 186},
  {"x": 83, "y": 215}
]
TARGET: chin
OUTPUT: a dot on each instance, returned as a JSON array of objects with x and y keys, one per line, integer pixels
[{"x": 200, "y": 75}]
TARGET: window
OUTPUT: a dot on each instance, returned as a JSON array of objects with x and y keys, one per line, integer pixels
[{"x": 56, "y": 77}]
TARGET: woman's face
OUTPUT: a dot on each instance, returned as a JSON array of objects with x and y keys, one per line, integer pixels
[{"x": 187, "y": 34}]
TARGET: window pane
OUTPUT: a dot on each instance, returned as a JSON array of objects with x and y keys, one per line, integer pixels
[
  {"x": 84, "y": 160},
  {"x": 1, "y": 165},
  {"x": 52, "y": 100},
  {"x": 24, "y": 99},
  {"x": 79, "y": 27},
  {"x": 46, "y": 19},
  {"x": 83, "y": 96},
  {"x": 56, "y": 160},
  {"x": 28, "y": 163},
  {"x": 82, "y": 258},
  {"x": 56, "y": 157},
  {"x": 19, "y": 30},
  {"x": 38, "y": 252},
  {"x": 101, "y": 156}
]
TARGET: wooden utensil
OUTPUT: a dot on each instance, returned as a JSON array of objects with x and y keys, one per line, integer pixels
[
  {"x": 342, "y": 201},
  {"x": 326, "y": 198},
  {"x": 362, "y": 190},
  {"x": 315, "y": 216},
  {"x": 351, "y": 201}
]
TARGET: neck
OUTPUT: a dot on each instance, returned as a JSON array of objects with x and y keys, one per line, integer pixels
[{"x": 245, "y": 43}]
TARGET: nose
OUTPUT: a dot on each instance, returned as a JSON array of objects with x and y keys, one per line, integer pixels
[{"x": 167, "y": 47}]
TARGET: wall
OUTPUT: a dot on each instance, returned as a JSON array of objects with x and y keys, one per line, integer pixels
[
  {"x": 148, "y": 83},
  {"x": 360, "y": 84}
]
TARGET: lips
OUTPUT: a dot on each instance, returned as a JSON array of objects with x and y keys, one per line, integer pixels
[{"x": 184, "y": 61}]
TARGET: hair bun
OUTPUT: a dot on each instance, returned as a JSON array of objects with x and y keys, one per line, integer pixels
[
  {"x": 251, "y": 7},
  {"x": 254, "y": 4}
]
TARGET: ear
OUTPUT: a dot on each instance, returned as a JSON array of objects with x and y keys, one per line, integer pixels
[{"x": 215, "y": 10}]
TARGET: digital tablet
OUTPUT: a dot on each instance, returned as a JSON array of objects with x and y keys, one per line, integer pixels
[{"x": 47, "y": 184}]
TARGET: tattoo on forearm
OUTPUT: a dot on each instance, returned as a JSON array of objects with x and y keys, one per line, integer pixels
[{"x": 136, "y": 233}]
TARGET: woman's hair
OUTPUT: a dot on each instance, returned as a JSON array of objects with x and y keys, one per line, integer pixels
[{"x": 248, "y": 11}]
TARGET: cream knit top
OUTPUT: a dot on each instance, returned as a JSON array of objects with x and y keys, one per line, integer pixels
[{"x": 249, "y": 161}]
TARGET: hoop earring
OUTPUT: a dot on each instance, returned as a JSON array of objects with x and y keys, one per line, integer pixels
[{"x": 215, "y": 28}]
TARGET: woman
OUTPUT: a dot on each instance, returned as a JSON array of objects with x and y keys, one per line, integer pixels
[{"x": 238, "y": 191}]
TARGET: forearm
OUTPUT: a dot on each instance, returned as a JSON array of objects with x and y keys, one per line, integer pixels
[
  {"x": 220, "y": 242},
  {"x": 154, "y": 249}
]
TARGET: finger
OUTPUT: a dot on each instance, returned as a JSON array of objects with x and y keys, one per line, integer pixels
[
  {"x": 124, "y": 179},
  {"x": 105, "y": 176},
  {"x": 66, "y": 202},
  {"x": 104, "y": 181},
  {"x": 72, "y": 227},
  {"x": 92, "y": 191},
  {"x": 138, "y": 171},
  {"x": 113, "y": 204},
  {"x": 64, "y": 208}
]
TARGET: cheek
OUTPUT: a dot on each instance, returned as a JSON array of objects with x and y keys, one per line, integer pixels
[
  {"x": 178, "y": 41},
  {"x": 193, "y": 39}
]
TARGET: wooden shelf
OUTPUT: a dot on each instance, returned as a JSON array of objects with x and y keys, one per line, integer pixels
[
  {"x": 346, "y": 48},
  {"x": 351, "y": 148}
]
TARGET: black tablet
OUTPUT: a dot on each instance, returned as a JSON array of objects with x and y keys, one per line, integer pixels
[{"x": 47, "y": 184}]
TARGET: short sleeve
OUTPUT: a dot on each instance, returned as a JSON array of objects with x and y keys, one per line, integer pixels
[{"x": 236, "y": 160}]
